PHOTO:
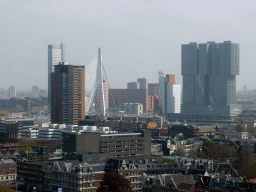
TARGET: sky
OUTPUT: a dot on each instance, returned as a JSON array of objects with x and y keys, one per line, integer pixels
[{"x": 137, "y": 37}]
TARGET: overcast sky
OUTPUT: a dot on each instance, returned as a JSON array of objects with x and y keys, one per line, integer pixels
[{"x": 137, "y": 37}]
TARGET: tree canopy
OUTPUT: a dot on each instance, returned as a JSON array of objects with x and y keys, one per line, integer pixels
[
  {"x": 246, "y": 162},
  {"x": 3, "y": 113},
  {"x": 240, "y": 128},
  {"x": 26, "y": 145},
  {"x": 205, "y": 149},
  {"x": 114, "y": 182},
  {"x": 18, "y": 108},
  {"x": 251, "y": 131}
]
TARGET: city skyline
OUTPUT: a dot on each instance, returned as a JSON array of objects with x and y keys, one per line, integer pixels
[{"x": 137, "y": 38}]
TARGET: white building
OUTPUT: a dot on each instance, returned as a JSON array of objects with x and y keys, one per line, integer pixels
[
  {"x": 131, "y": 108},
  {"x": 12, "y": 91},
  {"x": 236, "y": 135},
  {"x": 56, "y": 54},
  {"x": 172, "y": 98},
  {"x": 170, "y": 94},
  {"x": 53, "y": 132},
  {"x": 30, "y": 133}
]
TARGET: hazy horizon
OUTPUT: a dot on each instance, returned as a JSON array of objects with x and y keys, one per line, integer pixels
[{"x": 137, "y": 38}]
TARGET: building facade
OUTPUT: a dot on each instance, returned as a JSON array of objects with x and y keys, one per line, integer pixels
[
  {"x": 170, "y": 94},
  {"x": 209, "y": 79},
  {"x": 129, "y": 96},
  {"x": 143, "y": 83},
  {"x": 116, "y": 145},
  {"x": 56, "y": 54},
  {"x": 153, "y": 89},
  {"x": 68, "y": 93},
  {"x": 8, "y": 171},
  {"x": 132, "y": 108},
  {"x": 133, "y": 85},
  {"x": 12, "y": 91},
  {"x": 71, "y": 176}
]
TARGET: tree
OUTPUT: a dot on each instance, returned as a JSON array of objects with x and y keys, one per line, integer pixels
[
  {"x": 240, "y": 128},
  {"x": 18, "y": 108},
  {"x": 192, "y": 153},
  {"x": 246, "y": 164},
  {"x": 251, "y": 131},
  {"x": 114, "y": 182},
  {"x": 213, "y": 152},
  {"x": 6, "y": 189},
  {"x": 181, "y": 152},
  {"x": 205, "y": 148},
  {"x": 173, "y": 154},
  {"x": 3, "y": 113},
  {"x": 27, "y": 145},
  {"x": 166, "y": 161},
  {"x": 221, "y": 152}
]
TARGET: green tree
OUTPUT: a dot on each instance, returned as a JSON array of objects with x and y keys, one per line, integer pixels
[
  {"x": 205, "y": 148},
  {"x": 173, "y": 154},
  {"x": 166, "y": 161},
  {"x": 18, "y": 108},
  {"x": 251, "y": 131},
  {"x": 26, "y": 145},
  {"x": 240, "y": 128}
]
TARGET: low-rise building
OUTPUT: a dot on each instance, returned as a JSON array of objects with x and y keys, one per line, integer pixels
[
  {"x": 236, "y": 135},
  {"x": 72, "y": 176},
  {"x": 8, "y": 172},
  {"x": 117, "y": 145},
  {"x": 169, "y": 182},
  {"x": 131, "y": 108}
]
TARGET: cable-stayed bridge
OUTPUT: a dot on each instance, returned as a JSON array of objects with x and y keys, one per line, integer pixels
[{"x": 94, "y": 90}]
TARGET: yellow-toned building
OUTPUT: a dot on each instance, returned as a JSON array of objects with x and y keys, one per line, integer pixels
[{"x": 152, "y": 125}]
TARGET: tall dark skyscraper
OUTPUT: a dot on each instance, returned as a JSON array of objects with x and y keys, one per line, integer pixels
[
  {"x": 209, "y": 79},
  {"x": 67, "y": 94},
  {"x": 56, "y": 54}
]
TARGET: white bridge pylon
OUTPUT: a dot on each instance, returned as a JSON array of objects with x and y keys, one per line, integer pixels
[{"x": 94, "y": 81}]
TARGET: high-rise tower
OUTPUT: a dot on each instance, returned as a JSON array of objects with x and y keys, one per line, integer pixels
[
  {"x": 12, "y": 91},
  {"x": 209, "y": 78},
  {"x": 143, "y": 83},
  {"x": 170, "y": 93},
  {"x": 67, "y": 94},
  {"x": 56, "y": 54}
]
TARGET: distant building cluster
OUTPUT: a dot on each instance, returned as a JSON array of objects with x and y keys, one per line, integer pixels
[{"x": 156, "y": 136}]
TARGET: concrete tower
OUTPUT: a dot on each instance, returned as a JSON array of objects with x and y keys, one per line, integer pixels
[{"x": 209, "y": 79}]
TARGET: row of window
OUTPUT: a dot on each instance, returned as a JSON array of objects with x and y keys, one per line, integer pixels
[
  {"x": 126, "y": 141},
  {"x": 116, "y": 146},
  {"x": 8, "y": 177}
]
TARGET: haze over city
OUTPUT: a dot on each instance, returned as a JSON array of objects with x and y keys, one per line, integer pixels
[{"x": 137, "y": 38}]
